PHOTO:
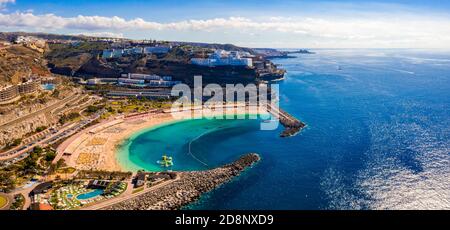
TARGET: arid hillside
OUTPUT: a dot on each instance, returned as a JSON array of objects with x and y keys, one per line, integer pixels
[{"x": 17, "y": 61}]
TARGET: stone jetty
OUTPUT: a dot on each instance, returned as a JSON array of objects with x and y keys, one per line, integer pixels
[
  {"x": 291, "y": 124},
  {"x": 188, "y": 188}
]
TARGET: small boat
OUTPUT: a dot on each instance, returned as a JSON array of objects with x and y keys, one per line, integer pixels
[
  {"x": 339, "y": 68},
  {"x": 165, "y": 161}
]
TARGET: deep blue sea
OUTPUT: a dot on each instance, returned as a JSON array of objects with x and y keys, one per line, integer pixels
[{"x": 378, "y": 137}]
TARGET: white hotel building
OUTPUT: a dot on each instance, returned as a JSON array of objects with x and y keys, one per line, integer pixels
[{"x": 223, "y": 58}]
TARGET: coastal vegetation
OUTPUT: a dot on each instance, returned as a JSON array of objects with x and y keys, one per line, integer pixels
[
  {"x": 3, "y": 201},
  {"x": 58, "y": 168},
  {"x": 136, "y": 105},
  {"x": 65, "y": 170},
  {"x": 14, "y": 143},
  {"x": 18, "y": 202},
  {"x": 73, "y": 194},
  {"x": 35, "y": 164},
  {"x": 40, "y": 129},
  {"x": 93, "y": 109},
  {"x": 138, "y": 190},
  {"x": 7, "y": 183},
  {"x": 68, "y": 117},
  {"x": 49, "y": 156}
]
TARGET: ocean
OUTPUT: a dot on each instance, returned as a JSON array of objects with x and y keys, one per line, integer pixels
[{"x": 377, "y": 137}]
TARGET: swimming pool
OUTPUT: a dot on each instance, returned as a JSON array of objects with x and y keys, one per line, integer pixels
[
  {"x": 48, "y": 86},
  {"x": 89, "y": 195}
]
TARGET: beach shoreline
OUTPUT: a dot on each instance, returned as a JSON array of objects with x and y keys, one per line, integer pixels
[{"x": 100, "y": 148}]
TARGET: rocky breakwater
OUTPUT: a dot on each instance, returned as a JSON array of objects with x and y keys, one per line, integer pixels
[
  {"x": 292, "y": 125},
  {"x": 290, "y": 131},
  {"x": 188, "y": 188}
]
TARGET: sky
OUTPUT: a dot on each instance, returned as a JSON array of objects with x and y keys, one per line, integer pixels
[{"x": 251, "y": 23}]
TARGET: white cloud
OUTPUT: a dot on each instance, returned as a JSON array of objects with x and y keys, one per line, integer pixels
[
  {"x": 101, "y": 34},
  {"x": 3, "y": 3},
  {"x": 387, "y": 31}
]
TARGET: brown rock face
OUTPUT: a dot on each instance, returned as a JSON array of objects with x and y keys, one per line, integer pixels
[
  {"x": 17, "y": 62},
  {"x": 21, "y": 128}
]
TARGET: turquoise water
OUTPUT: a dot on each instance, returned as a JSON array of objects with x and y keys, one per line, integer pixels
[
  {"x": 377, "y": 138},
  {"x": 144, "y": 149},
  {"x": 89, "y": 195},
  {"x": 48, "y": 87}
]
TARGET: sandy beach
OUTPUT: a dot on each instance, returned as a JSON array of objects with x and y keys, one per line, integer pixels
[{"x": 96, "y": 148}]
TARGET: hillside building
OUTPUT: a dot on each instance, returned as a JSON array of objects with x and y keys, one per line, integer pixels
[
  {"x": 114, "y": 53},
  {"x": 157, "y": 50},
  {"x": 9, "y": 93},
  {"x": 12, "y": 92},
  {"x": 224, "y": 58}
]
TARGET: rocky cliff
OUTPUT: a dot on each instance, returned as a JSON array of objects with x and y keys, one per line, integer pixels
[
  {"x": 17, "y": 61},
  {"x": 19, "y": 129}
]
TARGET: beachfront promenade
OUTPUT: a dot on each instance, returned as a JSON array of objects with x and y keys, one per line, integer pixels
[{"x": 96, "y": 147}]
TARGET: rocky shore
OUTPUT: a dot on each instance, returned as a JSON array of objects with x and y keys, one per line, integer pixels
[
  {"x": 292, "y": 131},
  {"x": 292, "y": 125},
  {"x": 188, "y": 188},
  {"x": 291, "y": 128}
]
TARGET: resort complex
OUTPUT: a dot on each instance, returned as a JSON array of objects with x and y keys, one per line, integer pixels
[
  {"x": 61, "y": 132},
  {"x": 224, "y": 58},
  {"x": 118, "y": 53},
  {"x": 135, "y": 80},
  {"x": 35, "y": 84}
]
